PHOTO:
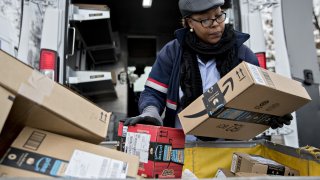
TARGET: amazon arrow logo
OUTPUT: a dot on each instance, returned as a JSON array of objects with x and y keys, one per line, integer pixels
[{"x": 196, "y": 115}]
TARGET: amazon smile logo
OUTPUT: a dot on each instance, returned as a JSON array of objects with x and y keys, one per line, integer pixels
[
  {"x": 228, "y": 83},
  {"x": 213, "y": 98}
]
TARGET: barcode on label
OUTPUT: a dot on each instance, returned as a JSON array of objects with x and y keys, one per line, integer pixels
[
  {"x": 34, "y": 141},
  {"x": 234, "y": 163},
  {"x": 256, "y": 74},
  {"x": 267, "y": 78},
  {"x": 114, "y": 170},
  {"x": 137, "y": 153},
  {"x": 124, "y": 168},
  {"x": 103, "y": 168},
  {"x": 124, "y": 131},
  {"x": 138, "y": 144}
]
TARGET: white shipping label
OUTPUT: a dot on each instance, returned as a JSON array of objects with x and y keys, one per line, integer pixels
[
  {"x": 256, "y": 74},
  {"x": 124, "y": 131},
  {"x": 234, "y": 163},
  {"x": 138, "y": 144},
  {"x": 88, "y": 165},
  {"x": 265, "y": 161}
]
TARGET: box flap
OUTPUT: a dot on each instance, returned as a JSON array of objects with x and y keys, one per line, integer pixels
[
  {"x": 54, "y": 98},
  {"x": 6, "y": 101}
]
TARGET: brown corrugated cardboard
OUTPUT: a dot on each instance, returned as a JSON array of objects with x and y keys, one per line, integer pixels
[
  {"x": 37, "y": 153},
  {"x": 242, "y": 162},
  {"x": 93, "y": 7},
  {"x": 6, "y": 101},
  {"x": 44, "y": 104},
  {"x": 246, "y": 174},
  {"x": 224, "y": 173},
  {"x": 240, "y": 105}
]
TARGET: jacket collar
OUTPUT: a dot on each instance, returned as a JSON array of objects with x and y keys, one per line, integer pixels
[{"x": 240, "y": 37}]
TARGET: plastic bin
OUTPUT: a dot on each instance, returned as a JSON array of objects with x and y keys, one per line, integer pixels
[{"x": 204, "y": 158}]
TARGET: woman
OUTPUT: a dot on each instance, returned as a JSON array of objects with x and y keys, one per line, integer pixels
[{"x": 203, "y": 51}]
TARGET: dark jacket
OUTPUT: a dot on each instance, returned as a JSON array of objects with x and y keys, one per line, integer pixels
[{"x": 162, "y": 86}]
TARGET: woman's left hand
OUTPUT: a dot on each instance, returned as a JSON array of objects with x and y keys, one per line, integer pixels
[{"x": 280, "y": 121}]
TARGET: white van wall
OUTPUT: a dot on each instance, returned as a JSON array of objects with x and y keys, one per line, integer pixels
[
  {"x": 6, "y": 36},
  {"x": 251, "y": 23}
]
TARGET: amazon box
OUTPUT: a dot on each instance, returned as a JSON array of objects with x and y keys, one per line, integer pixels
[
  {"x": 6, "y": 102},
  {"x": 224, "y": 173},
  {"x": 246, "y": 174},
  {"x": 246, "y": 163},
  {"x": 160, "y": 149},
  {"x": 38, "y": 153},
  {"x": 242, "y": 103},
  {"x": 44, "y": 104}
]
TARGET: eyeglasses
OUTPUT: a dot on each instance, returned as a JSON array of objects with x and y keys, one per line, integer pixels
[{"x": 208, "y": 22}]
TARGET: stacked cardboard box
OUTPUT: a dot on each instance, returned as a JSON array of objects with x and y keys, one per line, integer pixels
[
  {"x": 246, "y": 163},
  {"x": 160, "y": 149},
  {"x": 6, "y": 101},
  {"x": 38, "y": 153},
  {"x": 242, "y": 104},
  {"x": 42, "y": 103},
  {"x": 29, "y": 98},
  {"x": 225, "y": 173}
]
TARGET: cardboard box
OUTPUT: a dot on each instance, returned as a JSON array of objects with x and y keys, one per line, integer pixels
[
  {"x": 93, "y": 7},
  {"x": 160, "y": 149},
  {"x": 6, "y": 101},
  {"x": 37, "y": 153},
  {"x": 242, "y": 162},
  {"x": 246, "y": 174},
  {"x": 241, "y": 104},
  {"x": 44, "y": 104},
  {"x": 224, "y": 173}
]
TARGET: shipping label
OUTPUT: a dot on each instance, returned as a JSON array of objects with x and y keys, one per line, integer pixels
[
  {"x": 138, "y": 144},
  {"x": 234, "y": 163},
  {"x": 255, "y": 72},
  {"x": 267, "y": 78},
  {"x": 274, "y": 167},
  {"x": 88, "y": 165}
]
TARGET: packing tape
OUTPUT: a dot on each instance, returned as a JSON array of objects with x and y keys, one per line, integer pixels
[{"x": 37, "y": 87}]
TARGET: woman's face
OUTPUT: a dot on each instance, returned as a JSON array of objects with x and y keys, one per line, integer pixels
[{"x": 213, "y": 33}]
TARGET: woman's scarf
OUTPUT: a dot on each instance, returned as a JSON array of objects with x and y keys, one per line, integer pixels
[{"x": 224, "y": 52}]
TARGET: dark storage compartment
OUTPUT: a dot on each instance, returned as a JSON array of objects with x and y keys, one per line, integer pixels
[
  {"x": 142, "y": 50},
  {"x": 98, "y": 40}
]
